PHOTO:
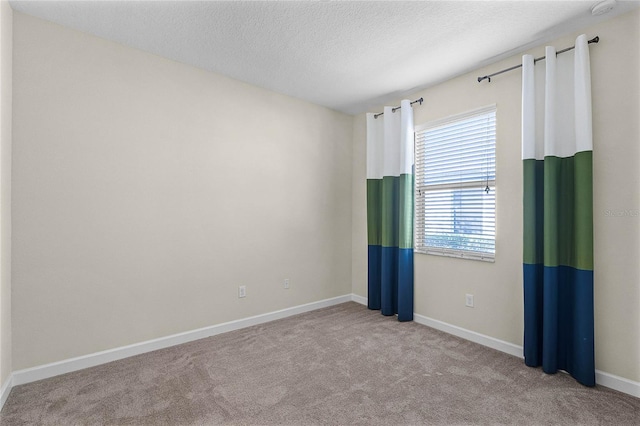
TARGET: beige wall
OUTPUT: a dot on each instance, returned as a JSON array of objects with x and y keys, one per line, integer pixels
[
  {"x": 441, "y": 283},
  {"x": 6, "y": 21},
  {"x": 147, "y": 191}
]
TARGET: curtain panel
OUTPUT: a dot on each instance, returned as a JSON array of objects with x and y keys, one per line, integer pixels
[
  {"x": 558, "y": 213},
  {"x": 390, "y": 181}
]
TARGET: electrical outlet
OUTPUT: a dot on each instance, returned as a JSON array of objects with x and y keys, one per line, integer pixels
[
  {"x": 286, "y": 283},
  {"x": 242, "y": 291},
  {"x": 468, "y": 300}
]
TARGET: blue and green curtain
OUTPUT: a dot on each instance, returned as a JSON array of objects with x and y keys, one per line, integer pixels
[
  {"x": 390, "y": 154},
  {"x": 558, "y": 213}
]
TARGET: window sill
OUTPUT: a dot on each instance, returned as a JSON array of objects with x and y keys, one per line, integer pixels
[{"x": 460, "y": 254}]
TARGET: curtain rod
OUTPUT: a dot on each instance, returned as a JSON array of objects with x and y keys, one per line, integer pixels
[
  {"x": 395, "y": 108},
  {"x": 488, "y": 77}
]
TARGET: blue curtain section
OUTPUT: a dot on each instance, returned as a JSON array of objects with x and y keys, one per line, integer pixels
[
  {"x": 374, "y": 284},
  {"x": 405, "y": 284},
  {"x": 390, "y": 284},
  {"x": 558, "y": 333}
]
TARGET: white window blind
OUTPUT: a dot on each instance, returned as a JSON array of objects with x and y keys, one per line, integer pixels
[{"x": 455, "y": 186}]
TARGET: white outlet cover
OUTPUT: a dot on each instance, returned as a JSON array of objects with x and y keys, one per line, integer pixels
[{"x": 468, "y": 300}]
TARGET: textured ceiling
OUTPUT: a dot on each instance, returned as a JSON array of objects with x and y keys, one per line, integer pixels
[{"x": 348, "y": 56}]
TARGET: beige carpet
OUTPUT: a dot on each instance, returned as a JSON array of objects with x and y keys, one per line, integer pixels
[{"x": 343, "y": 365}]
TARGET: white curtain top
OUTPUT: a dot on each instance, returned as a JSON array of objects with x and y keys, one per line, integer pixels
[
  {"x": 390, "y": 142},
  {"x": 556, "y": 103}
]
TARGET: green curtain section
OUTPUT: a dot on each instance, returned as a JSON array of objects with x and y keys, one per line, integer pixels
[
  {"x": 405, "y": 211},
  {"x": 390, "y": 211},
  {"x": 374, "y": 212},
  {"x": 583, "y": 214},
  {"x": 533, "y": 177},
  {"x": 558, "y": 193}
]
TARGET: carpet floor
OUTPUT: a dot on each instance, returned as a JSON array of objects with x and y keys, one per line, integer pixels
[{"x": 342, "y": 365}]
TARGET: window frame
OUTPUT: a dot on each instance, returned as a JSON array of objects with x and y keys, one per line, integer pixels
[{"x": 419, "y": 210}]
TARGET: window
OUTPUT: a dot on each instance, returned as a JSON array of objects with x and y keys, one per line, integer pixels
[{"x": 455, "y": 186}]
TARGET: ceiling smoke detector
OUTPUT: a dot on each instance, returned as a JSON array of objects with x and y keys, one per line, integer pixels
[{"x": 603, "y": 7}]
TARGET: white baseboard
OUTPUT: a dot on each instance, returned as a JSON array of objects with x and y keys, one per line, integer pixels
[
  {"x": 608, "y": 380},
  {"x": 73, "y": 364},
  {"x": 618, "y": 383},
  {"x": 359, "y": 299},
  {"x": 91, "y": 360},
  {"x": 481, "y": 339},
  {"x": 5, "y": 390}
]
